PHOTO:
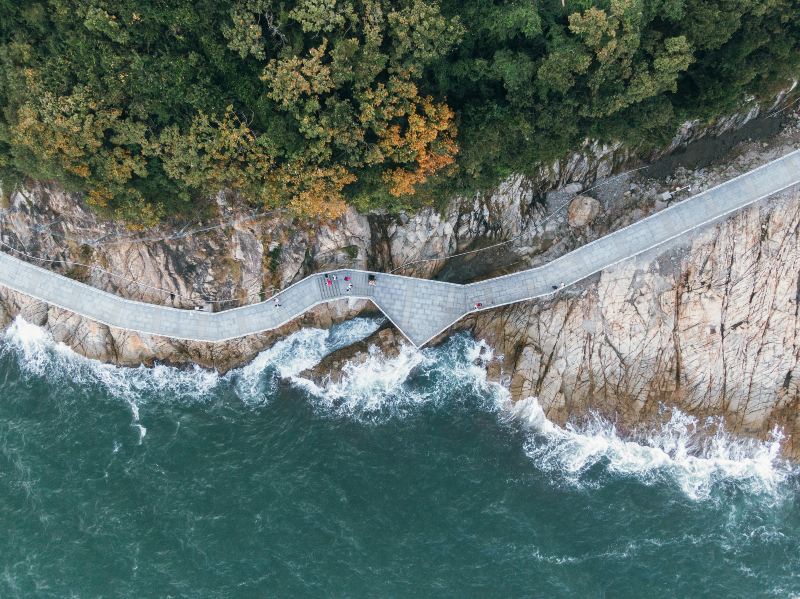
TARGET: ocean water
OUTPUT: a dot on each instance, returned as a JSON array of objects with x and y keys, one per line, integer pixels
[{"x": 412, "y": 477}]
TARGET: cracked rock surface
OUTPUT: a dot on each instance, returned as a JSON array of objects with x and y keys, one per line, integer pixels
[{"x": 711, "y": 326}]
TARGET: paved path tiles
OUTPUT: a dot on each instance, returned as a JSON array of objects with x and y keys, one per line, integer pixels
[{"x": 419, "y": 308}]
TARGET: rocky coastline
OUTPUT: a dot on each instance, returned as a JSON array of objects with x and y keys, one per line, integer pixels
[{"x": 710, "y": 325}]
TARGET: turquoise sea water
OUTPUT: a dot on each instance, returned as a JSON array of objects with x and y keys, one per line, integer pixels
[{"x": 413, "y": 477}]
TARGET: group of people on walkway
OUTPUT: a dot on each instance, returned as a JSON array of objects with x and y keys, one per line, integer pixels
[{"x": 331, "y": 278}]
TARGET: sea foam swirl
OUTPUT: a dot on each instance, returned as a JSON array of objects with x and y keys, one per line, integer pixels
[{"x": 683, "y": 451}]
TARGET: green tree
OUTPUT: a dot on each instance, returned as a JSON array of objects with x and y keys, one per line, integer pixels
[{"x": 151, "y": 108}]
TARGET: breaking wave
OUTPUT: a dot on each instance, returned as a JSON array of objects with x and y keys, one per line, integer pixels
[
  {"x": 256, "y": 382},
  {"x": 697, "y": 457},
  {"x": 380, "y": 387},
  {"x": 39, "y": 356}
]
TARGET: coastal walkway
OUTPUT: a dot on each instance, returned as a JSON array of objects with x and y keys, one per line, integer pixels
[{"x": 419, "y": 308}]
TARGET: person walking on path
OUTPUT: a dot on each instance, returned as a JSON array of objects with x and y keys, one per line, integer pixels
[
  {"x": 349, "y": 287},
  {"x": 277, "y": 302},
  {"x": 328, "y": 281}
]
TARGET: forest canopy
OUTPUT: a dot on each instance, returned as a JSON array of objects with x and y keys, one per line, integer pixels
[{"x": 152, "y": 107}]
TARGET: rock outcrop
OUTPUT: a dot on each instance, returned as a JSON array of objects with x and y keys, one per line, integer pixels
[
  {"x": 582, "y": 211},
  {"x": 385, "y": 341}
]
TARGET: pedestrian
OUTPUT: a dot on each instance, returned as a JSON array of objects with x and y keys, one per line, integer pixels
[
  {"x": 478, "y": 305},
  {"x": 371, "y": 280},
  {"x": 349, "y": 287},
  {"x": 347, "y": 278},
  {"x": 333, "y": 277},
  {"x": 277, "y": 302},
  {"x": 561, "y": 285}
]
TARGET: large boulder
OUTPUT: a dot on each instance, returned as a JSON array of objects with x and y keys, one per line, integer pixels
[{"x": 582, "y": 211}]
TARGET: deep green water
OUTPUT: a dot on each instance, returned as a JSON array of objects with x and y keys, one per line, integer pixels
[{"x": 413, "y": 478}]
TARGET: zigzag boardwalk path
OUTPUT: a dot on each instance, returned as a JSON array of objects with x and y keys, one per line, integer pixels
[{"x": 420, "y": 308}]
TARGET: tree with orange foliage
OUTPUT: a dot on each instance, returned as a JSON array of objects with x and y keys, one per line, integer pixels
[{"x": 427, "y": 143}]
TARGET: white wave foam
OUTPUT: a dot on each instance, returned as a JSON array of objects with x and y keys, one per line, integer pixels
[
  {"x": 39, "y": 355},
  {"x": 695, "y": 456},
  {"x": 368, "y": 387},
  {"x": 392, "y": 386},
  {"x": 298, "y": 352}
]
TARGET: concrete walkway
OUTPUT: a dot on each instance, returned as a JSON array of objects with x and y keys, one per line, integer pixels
[{"x": 419, "y": 308}]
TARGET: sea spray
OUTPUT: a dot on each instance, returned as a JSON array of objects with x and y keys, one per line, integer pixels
[
  {"x": 39, "y": 355},
  {"x": 681, "y": 451},
  {"x": 697, "y": 456},
  {"x": 256, "y": 382},
  {"x": 368, "y": 388},
  {"x": 392, "y": 387}
]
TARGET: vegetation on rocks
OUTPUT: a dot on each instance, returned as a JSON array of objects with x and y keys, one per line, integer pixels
[{"x": 151, "y": 107}]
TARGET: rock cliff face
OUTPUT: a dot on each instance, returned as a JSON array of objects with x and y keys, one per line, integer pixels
[{"x": 711, "y": 326}]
